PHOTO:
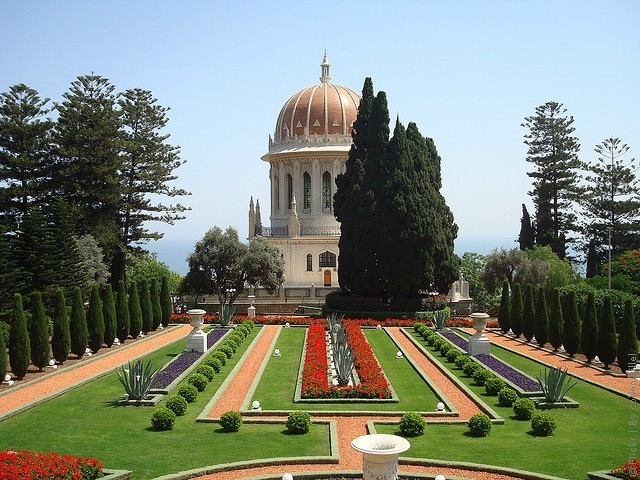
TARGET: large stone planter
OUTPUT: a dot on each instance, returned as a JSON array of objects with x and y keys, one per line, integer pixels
[
  {"x": 479, "y": 344},
  {"x": 196, "y": 338},
  {"x": 380, "y": 455}
]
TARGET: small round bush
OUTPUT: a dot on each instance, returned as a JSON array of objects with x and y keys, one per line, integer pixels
[
  {"x": 231, "y": 421},
  {"x": 437, "y": 343},
  {"x": 444, "y": 348},
  {"x": 243, "y": 329},
  {"x": 188, "y": 392},
  {"x": 479, "y": 425},
  {"x": 470, "y": 368},
  {"x": 199, "y": 381},
  {"x": 431, "y": 340},
  {"x": 461, "y": 361},
  {"x": 418, "y": 327},
  {"x": 493, "y": 385},
  {"x": 234, "y": 341},
  {"x": 453, "y": 354},
  {"x": 507, "y": 397},
  {"x": 207, "y": 371},
  {"x": 427, "y": 333},
  {"x": 221, "y": 356},
  {"x": 248, "y": 324},
  {"x": 163, "y": 419},
  {"x": 226, "y": 349},
  {"x": 412, "y": 424},
  {"x": 524, "y": 408},
  {"x": 481, "y": 375},
  {"x": 298, "y": 422},
  {"x": 215, "y": 363},
  {"x": 176, "y": 404},
  {"x": 543, "y": 424}
]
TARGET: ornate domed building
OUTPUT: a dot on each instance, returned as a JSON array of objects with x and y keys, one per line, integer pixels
[{"x": 308, "y": 150}]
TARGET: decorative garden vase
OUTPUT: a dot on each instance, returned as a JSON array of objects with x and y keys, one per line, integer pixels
[
  {"x": 380, "y": 455},
  {"x": 478, "y": 343},
  {"x": 196, "y": 338}
]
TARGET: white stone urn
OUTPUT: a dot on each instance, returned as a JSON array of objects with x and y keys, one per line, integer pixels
[
  {"x": 196, "y": 338},
  {"x": 380, "y": 455},
  {"x": 251, "y": 311},
  {"x": 479, "y": 344}
]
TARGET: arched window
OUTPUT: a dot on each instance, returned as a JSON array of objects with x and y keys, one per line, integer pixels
[
  {"x": 276, "y": 191},
  {"x": 306, "y": 181},
  {"x": 326, "y": 192},
  {"x": 309, "y": 262},
  {"x": 289, "y": 190},
  {"x": 327, "y": 259}
]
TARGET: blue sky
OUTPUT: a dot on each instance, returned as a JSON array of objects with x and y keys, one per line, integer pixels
[{"x": 467, "y": 72}]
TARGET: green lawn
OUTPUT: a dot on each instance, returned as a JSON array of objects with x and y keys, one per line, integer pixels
[
  {"x": 85, "y": 421},
  {"x": 593, "y": 437},
  {"x": 277, "y": 386}
]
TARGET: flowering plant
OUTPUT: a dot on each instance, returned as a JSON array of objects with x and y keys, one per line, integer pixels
[
  {"x": 23, "y": 465},
  {"x": 628, "y": 471}
]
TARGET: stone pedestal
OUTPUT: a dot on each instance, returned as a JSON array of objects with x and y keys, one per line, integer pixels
[
  {"x": 380, "y": 455},
  {"x": 251, "y": 311},
  {"x": 479, "y": 344},
  {"x": 196, "y": 338}
]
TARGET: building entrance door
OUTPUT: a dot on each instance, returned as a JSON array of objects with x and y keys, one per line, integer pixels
[{"x": 327, "y": 278}]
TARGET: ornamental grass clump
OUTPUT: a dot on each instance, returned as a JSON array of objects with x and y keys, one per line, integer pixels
[
  {"x": 493, "y": 385},
  {"x": 188, "y": 392},
  {"x": 524, "y": 408},
  {"x": 177, "y": 405},
  {"x": 231, "y": 421},
  {"x": 507, "y": 397},
  {"x": 163, "y": 419},
  {"x": 298, "y": 422},
  {"x": 555, "y": 384},
  {"x": 199, "y": 381},
  {"x": 412, "y": 424},
  {"x": 543, "y": 424},
  {"x": 207, "y": 371},
  {"x": 136, "y": 379},
  {"x": 479, "y": 425}
]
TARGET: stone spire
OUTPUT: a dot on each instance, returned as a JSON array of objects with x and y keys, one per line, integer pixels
[
  {"x": 258, "y": 219},
  {"x": 325, "y": 78},
  {"x": 294, "y": 221},
  {"x": 252, "y": 219}
]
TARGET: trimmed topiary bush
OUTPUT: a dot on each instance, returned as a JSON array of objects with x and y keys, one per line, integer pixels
[
  {"x": 188, "y": 392},
  {"x": 453, "y": 354},
  {"x": 607, "y": 343},
  {"x": 61, "y": 338},
  {"x": 627, "y": 341},
  {"x": 589, "y": 333},
  {"x": 19, "y": 344},
  {"x": 505, "y": 307},
  {"x": 462, "y": 361},
  {"x": 198, "y": 380},
  {"x": 156, "y": 306},
  {"x": 214, "y": 363},
  {"x": 231, "y": 421},
  {"x": 524, "y": 408},
  {"x": 529, "y": 316},
  {"x": 234, "y": 342},
  {"x": 95, "y": 320},
  {"x": 122, "y": 312},
  {"x": 470, "y": 368},
  {"x": 493, "y": 385},
  {"x": 207, "y": 371},
  {"x": 479, "y": 425},
  {"x": 431, "y": 340},
  {"x": 145, "y": 306},
  {"x": 177, "y": 405},
  {"x": 135, "y": 312},
  {"x": 109, "y": 315},
  {"x": 78, "y": 325},
  {"x": 571, "y": 330},
  {"x": 437, "y": 342},
  {"x": 507, "y": 397},
  {"x": 3, "y": 356},
  {"x": 412, "y": 424},
  {"x": 298, "y": 422},
  {"x": 481, "y": 375},
  {"x": 444, "y": 349},
  {"x": 39, "y": 334},
  {"x": 163, "y": 418},
  {"x": 221, "y": 356},
  {"x": 541, "y": 321},
  {"x": 226, "y": 349},
  {"x": 165, "y": 301},
  {"x": 516, "y": 318},
  {"x": 543, "y": 424}
]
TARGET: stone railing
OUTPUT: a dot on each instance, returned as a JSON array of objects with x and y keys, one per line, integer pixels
[{"x": 281, "y": 232}]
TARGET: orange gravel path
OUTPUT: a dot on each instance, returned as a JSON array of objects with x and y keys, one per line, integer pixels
[
  {"x": 64, "y": 379},
  {"x": 238, "y": 388}
]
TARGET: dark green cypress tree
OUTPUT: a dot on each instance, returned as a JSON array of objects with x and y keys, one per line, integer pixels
[
  {"x": 109, "y": 315},
  {"x": 556, "y": 320},
  {"x": 165, "y": 301},
  {"x": 541, "y": 323},
  {"x": 517, "y": 311},
  {"x": 155, "y": 303},
  {"x": 95, "y": 320},
  {"x": 505, "y": 308},
  {"x": 135, "y": 312},
  {"x": 61, "y": 338},
  {"x": 571, "y": 331},
  {"x": 122, "y": 312},
  {"x": 39, "y": 334},
  {"x": 19, "y": 344},
  {"x": 78, "y": 325},
  {"x": 627, "y": 341},
  {"x": 589, "y": 338},
  {"x": 592, "y": 260},
  {"x": 145, "y": 306},
  {"x": 529, "y": 315},
  {"x": 607, "y": 338},
  {"x": 527, "y": 237},
  {"x": 3, "y": 357}
]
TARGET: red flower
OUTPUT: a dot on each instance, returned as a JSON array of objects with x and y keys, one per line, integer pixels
[{"x": 23, "y": 465}]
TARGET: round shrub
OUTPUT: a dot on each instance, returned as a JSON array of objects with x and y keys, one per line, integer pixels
[
  {"x": 243, "y": 329},
  {"x": 470, "y": 368},
  {"x": 298, "y": 422},
  {"x": 543, "y": 424},
  {"x": 188, "y": 392},
  {"x": 215, "y": 363},
  {"x": 199, "y": 381},
  {"x": 524, "y": 408},
  {"x": 234, "y": 341},
  {"x": 481, "y": 375},
  {"x": 493, "y": 385},
  {"x": 427, "y": 333},
  {"x": 221, "y": 356},
  {"x": 412, "y": 424},
  {"x": 207, "y": 371},
  {"x": 176, "y": 404},
  {"x": 163, "y": 419},
  {"x": 444, "y": 348},
  {"x": 418, "y": 327},
  {"x": 431, "y": 340},
  {"x": 507, "y": 397},
  {"x": 231, "y": 345},
  {"x": 226, "y": 349},
  {"x": 453, "y": 354},
  {"x": 479, "y": 425},
  {"x": 248, "y": 324},
  {"x": 437, "y": 342},
  {"x": 462, "y": 361},
  {"x": 231, "y": 421}
]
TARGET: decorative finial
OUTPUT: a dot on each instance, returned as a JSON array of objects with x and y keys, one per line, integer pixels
[{"x": 325, "y": 78}]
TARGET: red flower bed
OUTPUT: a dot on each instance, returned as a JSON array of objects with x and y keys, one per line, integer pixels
[
  {"x": 315, "y": 383},
  {"x": 628, "y": 471},
  {"x": 25, "y": 465}
]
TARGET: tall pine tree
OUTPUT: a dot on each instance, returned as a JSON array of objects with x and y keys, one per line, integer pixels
[
  {"x": 61, "y": 338},
  {"x": 19, "y": 343},
  {"x": 39, "y": 334}
]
